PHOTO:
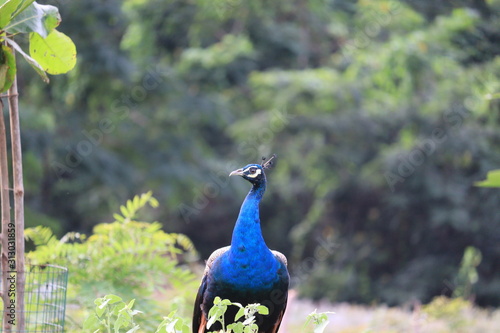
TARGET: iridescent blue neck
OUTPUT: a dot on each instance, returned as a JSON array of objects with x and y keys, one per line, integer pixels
[
  {"x": 247, "y": 232},
  {"x": 249, "y": 264}
]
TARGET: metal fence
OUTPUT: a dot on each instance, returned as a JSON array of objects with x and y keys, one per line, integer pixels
[{"x": 44, "y": 300}]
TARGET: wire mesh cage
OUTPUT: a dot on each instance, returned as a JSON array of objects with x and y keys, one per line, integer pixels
[{"x": 44, "y": 300}]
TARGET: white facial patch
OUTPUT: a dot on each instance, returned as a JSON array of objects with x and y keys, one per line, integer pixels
[{"x": 252, "y": 175}]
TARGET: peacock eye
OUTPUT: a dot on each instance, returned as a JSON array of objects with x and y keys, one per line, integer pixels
[{"x": 253, "y": 170}]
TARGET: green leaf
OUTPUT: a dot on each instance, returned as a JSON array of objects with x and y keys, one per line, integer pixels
[
  {"x": 179, "y": 324},
  {"x": 236, "y": 327},
  {"x": 134, "y": 329},
  {"x": 153, "y": 202},
  {"x": 319, "y": 320},
  {"x": 321, "y": 326},
  {"x": 492, "y": 179},
  {"x": 113, "y": 298},
  {"x": 42, "y": 19},
  {"x": 130, "y": 304},
  {"x": 118, "y": 308},
  {"x": 263, "y": 310},
  {"x": 226, "y": 302},
  {"x": 99, "y": 310},
  {"x": 121, "y": 321},
  {"x": 210, "y": 322},
  {"x": 239, "y": 314},
  {"x": 124, "y": 211},
  {"x": 12, "y": 8},
  {"x": 56, "y": 53},
  {"x": 131, "y": 207},
  {"x": 36, "y": 66},
  {"x": 99, "y": 301},
  {"x": 136, "y": 202},
  {"x": 170, "y": 327},
  {"x": 7, "y": 68},
  {"x": 24, "y": 4},
  {"x": 91, "y": 322},
  {"x": 7, "y": 9}
]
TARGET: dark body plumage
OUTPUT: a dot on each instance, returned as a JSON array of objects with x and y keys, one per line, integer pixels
[{"x": 247, "y": 271}]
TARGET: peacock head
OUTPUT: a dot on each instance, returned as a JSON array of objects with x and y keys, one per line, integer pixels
[{"x": 254, "y": 173}]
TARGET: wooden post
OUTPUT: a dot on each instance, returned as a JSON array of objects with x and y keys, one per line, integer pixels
[
  {"x": 17, "y": 179},
  {"x": 5, "y": 207}
]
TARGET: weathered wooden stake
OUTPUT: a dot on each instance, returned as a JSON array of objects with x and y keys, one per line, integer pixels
[
  {"x": 17, "y": 179},
  {"x": 5, "y": 207},
  {"x": 12, "y": 260}
]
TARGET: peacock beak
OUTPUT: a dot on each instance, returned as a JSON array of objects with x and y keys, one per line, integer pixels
[{"x": 238, "y": 172}]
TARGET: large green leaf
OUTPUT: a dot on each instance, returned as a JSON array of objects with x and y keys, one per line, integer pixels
[
  {"x": 36, "y": 66},
  {"x": 41, "y": 19},
  {"x": 56, "y": 53},
  {"x": 24, "y": 4},
  {"x": 7, "y": 9},
  {"x": 7, "y": 68},
  {"x": 492, "y": 179}
]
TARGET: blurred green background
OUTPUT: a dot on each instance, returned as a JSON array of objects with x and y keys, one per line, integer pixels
[{"x": 383, "y": 115}]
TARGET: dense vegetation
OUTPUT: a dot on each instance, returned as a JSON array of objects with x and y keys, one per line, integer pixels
[{"x": 383, "y": 114}]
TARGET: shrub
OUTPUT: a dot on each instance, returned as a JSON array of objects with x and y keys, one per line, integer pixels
[{"x": 127, "y": 257}]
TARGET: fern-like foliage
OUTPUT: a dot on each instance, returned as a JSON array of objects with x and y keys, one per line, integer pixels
[
  {"x": 131, "y": 207},
  {"x": 127, "y": 257}
]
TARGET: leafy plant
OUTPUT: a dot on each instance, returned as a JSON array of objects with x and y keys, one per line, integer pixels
[
  {"x": 218, "y": 310},
  {"x": 173, "y": 323},
  {"x": 127, "y": 257},
  {"x": 50, "y": 51},
  {"x": 248, "y": 325},
  {"x": 112, "y": 314},
  {"x": 319, "y": 320}
]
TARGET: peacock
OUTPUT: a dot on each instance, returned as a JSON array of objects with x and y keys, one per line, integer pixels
[{"x": 247, "y": 271}]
